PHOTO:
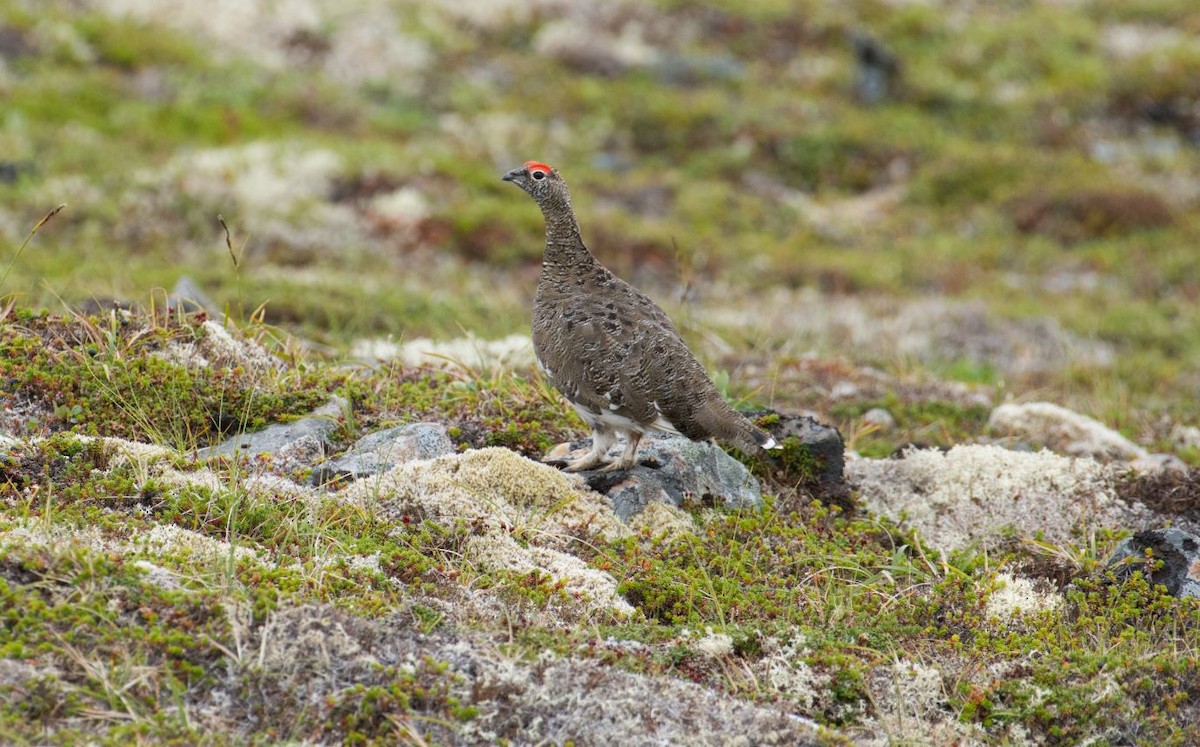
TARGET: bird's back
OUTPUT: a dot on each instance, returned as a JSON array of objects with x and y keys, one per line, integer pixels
[{"x": 613, "y": 351}]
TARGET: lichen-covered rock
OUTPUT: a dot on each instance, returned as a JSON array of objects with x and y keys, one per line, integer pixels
[
  {"x": 382, "y": 450},
  {"x": 503, "y": 553},
  {"x": 980, "y": 494},
  {"x": 1178, "y": 551},
  {"x": 1063, "y": 430},
  {"x": 506, "y": 497},
  {"x": 495, "y": 486},
  {"x": 315, "y": 428}
]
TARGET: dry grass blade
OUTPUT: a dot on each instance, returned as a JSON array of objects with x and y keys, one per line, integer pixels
[
  {"x": 37, "y": 227},
  {"x": 233, "y": 255}
]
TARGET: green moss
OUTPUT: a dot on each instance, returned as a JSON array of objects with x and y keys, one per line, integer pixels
[
  {"x": 129, "y": 45},
  {"x": 105, "y": 378},
  {"x": 930, "y": 422}
]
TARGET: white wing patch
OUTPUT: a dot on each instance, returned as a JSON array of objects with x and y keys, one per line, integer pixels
[{"x": 609, "y": 420}]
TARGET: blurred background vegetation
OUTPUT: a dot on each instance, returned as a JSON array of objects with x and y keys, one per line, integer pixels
[{"x": 1001, "y": 194}]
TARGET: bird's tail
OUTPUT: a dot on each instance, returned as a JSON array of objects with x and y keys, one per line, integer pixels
[
  {"x": 751, "y": 438},
  {"x": 727, "y": 424}
]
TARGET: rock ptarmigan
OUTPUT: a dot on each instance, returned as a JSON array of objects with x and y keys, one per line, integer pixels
[{"x": 612, "y": 352}]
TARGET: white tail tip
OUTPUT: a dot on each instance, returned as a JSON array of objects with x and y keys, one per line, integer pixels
[{"x": 771, "y": 443}]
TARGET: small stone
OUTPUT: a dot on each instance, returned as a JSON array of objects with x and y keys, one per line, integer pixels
[
  {"x": 1179, "y": 552},
  {"x": 318, "y": 425},
  {"x": 825, "y": 446},
  {"x": 382, "y": 450},
  {"x": 843, "y": 390},
  {"x": 877, "y": 70},
  {"x": 186, "y": 295},
  {"x": 880, "y": 418}
]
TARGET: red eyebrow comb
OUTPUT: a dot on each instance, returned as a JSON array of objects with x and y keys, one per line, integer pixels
[{"x": 538, "y": 165}]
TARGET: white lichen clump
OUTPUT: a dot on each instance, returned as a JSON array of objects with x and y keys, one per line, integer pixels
[
  {"x": 1018, "y": 596},
  {"x": 979, "y": 494},
  {"x": 169, "y": 539},
  {"x": 219, "y": 349},
  {"x": 786, "y": 671},
  {"x": 715, "y": 645},
  {"x": 659, "y": 519}
]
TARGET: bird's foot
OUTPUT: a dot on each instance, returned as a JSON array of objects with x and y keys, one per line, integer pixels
[
  {"x": 619, "y": 465},
  {"x": 590, "y": 461}
]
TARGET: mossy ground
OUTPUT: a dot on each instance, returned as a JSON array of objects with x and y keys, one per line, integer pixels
[
  {"x": 1038, "y": 161},
  {"x": 123, "y": 653}
]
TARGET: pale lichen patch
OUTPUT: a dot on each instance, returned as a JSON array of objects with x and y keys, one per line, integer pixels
[
  {"x": 169, "y": 539},
  {"x": 494, "y": 486},
  {"x": 911, "y": 707},
  {"x": 506, "y": 497},
  {"x": 662, "y": 519},
  {"x": 980, "y": 494},
  {"x": 217, "y": 348},
  {"x": 1018, "y": 596}
]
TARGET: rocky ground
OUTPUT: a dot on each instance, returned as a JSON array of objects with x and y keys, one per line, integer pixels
[
  {"x": 334, "y": 578},
  {"x": 272, "y": 444}
]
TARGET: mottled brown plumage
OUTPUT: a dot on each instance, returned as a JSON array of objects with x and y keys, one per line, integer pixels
[{"x": 611, "y": 351}]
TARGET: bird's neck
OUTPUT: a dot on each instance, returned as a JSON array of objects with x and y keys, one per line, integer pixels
[{"x": 565, "y": 254}]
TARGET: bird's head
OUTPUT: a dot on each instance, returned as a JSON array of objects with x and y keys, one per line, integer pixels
[{"x": 538, "y": 179}]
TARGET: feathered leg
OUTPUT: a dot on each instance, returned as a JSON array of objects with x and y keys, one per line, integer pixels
[
  {"x": 602, "y": 441},
  {"x": 628, "y": 458}
]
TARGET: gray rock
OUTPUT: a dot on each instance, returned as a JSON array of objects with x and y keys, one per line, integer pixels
[
  {"x": 382, "y": 450},
  {"x": 187, "y": 295},
  {"x": 1177, "y": 550},
  {"x": 316, "y": 426},
  {"x": 879, "y": 417},
  {"x": 1158, "y": 462},
  {"x": 673, "y": 470}
]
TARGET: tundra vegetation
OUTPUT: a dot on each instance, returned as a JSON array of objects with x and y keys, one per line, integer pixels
[{"x": 1016, "y": 221}]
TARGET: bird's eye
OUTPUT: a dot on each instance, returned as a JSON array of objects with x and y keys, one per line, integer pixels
[{"x": 538, "y": 175}]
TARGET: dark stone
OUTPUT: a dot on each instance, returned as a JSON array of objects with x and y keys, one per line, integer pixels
[
  {"x": 877, "y": 70},
  {"x": 11, "y": 171},
  {"x": 382, "y": 450},
  {"x": 1177, "y": 551},
  {"x": 15, "y": 43},
  {"x": 824, "y": 473}
]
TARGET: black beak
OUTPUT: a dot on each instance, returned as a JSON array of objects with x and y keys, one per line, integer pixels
[{"x": 512, "y": 175}]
